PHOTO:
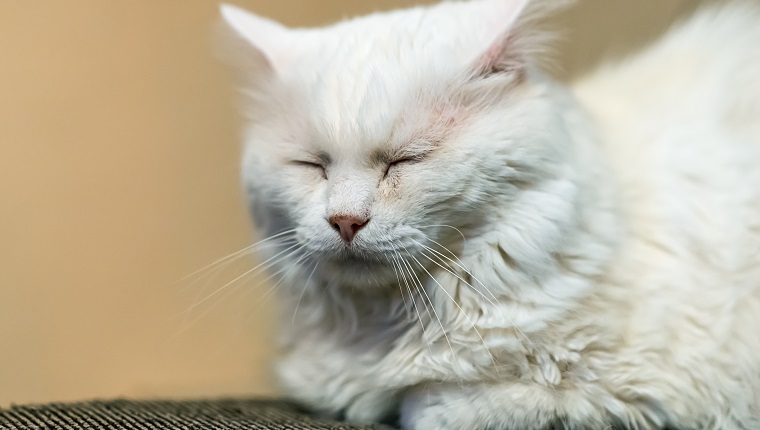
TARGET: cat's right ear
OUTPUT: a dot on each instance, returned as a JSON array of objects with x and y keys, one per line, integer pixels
[
  {"x": 254, "y": 43},
  {"x": 510, "y": 36}
]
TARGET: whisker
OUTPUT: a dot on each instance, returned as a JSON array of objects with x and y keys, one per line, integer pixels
[
  {"x": 464, "y": 240},
  {"x": 397, "y": 264},
  {"x": 264, "y": 264},
  {"x": 237, "y": 253},
  {"x": 211, "y": 275},
  {"x": 425, "y": 335},
  {"x": 459, "y": 263},
  {"x": 472, "y": 323},
  {"x": 415, "y": 307},
  {"x": 374, "y": 278},
  {"x": 407, "y": 309},
  {"x": 451, "y": 271},
  {"x": 305, "y": 286},
  {"x": 188, "y": 325},
  {"x": 263, "y": 297},
  {"x": 287, "y": 269},
  {"x": 421, "y": 289}
]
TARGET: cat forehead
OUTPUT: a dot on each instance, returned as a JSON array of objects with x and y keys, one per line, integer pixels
[
  {"x": 420, "y": 39},
  {"x": 360, "y": 78},
  {"x": 374, "y": 107},
  {"x": 354, "y": 104}
]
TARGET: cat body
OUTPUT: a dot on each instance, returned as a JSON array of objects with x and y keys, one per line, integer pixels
[{"x": 478, "y": 247}]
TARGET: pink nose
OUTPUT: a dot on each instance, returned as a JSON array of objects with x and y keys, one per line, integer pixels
[{"x": 347, "y": 225}]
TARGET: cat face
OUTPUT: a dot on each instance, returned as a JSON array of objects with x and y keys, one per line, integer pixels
[{"x": 387, "y": 135}]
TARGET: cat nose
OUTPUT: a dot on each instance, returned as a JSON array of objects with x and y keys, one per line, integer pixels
[{"x": 347, "y": 225}]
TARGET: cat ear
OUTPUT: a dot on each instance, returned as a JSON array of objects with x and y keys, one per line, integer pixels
[
  {"x": 267, "y": 40},
  {"x": 501, "y": 52}
]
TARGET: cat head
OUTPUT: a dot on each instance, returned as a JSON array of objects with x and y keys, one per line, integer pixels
[{"x": 390, "y": 135}]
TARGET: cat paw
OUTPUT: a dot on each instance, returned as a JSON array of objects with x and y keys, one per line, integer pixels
[
  {"x": 480, "y": 407},
  {"x": 438, "y": 408}
]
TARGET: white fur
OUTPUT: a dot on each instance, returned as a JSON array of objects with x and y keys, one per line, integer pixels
[{"x": 605, "y": 239}]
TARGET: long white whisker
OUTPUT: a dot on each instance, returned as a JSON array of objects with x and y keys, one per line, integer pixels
[
  {"x": 305, "y": 286},
  {"x": 236, "y": 253},
  {"x": 267, "y": 293},
  {"x": 212, "y": 273},
  {"x": 421, "y": 289},
  {"x": 464, "y": 239},
  {"x": 263, "y": 281},
  {"x": 284, "y": 271},
  {"x": 399, "y": 259},
  {"x": 211, "y": 308},
  {"x": 472, "y": 323},
  {"x": 391, "y": 261},
  {"x": 451, "y": 271},
  {"x": 459, "y": 263},
  {"x": 246, "y": 273},
  {"x": 287, "y": 269}
]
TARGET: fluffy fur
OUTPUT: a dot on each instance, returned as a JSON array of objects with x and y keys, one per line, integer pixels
[{"x": 534, "y": 256}]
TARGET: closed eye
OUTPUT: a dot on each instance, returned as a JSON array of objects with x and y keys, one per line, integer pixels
[
  {"x": 312, "y": 165},
  {"x": 398, "y": 162}
]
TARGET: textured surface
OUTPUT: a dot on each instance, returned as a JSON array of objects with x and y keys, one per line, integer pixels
[{"x": 125, "y": 414}]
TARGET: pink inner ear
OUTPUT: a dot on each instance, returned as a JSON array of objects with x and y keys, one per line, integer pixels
[
  {"x": 501, "y": 57},
  {"x": 501, "y": 54}
]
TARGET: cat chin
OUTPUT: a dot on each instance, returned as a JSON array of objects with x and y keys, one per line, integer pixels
[{"x": 360, "y": 273}]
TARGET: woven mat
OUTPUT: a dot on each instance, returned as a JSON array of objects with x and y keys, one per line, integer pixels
[{"x": 193, "y": 415}]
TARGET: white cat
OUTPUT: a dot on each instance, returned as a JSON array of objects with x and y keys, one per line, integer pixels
[{"x": 465, "y": 244}]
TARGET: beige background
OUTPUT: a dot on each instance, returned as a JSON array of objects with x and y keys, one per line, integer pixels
[{"x": 118, "y": 176}]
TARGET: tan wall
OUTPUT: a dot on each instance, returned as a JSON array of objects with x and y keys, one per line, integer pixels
[{"x": 118, "y": 176}]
